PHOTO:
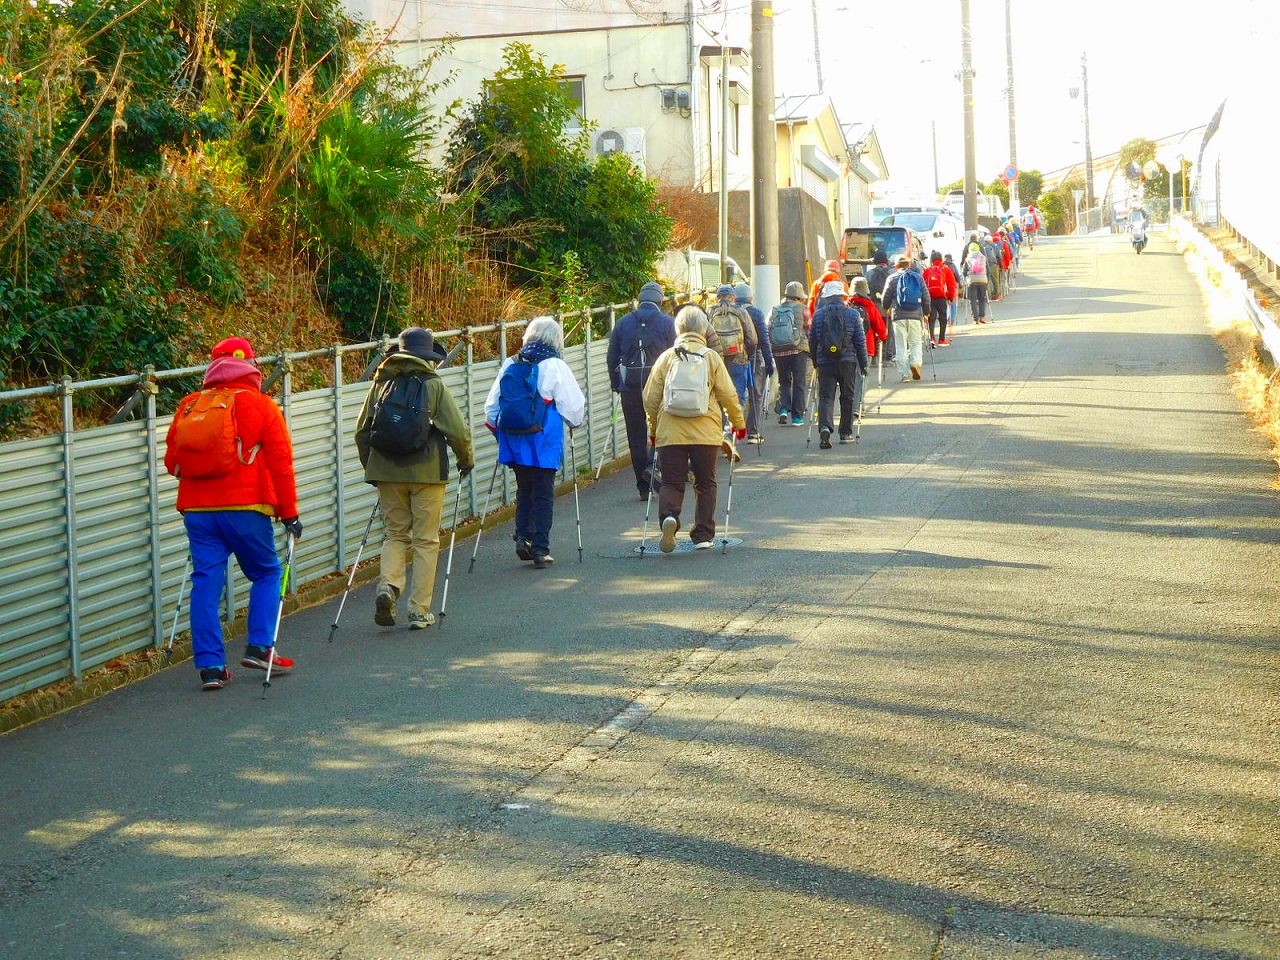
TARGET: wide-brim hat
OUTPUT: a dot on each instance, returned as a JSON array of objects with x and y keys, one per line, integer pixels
[{"x": 420, "y": 343}]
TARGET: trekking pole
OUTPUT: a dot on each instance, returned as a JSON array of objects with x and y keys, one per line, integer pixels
[
  {"x": 813, "y": 407},
  {"x": 728, "y": 506},
  {"x": 284, "y": 592},
  {"x": 653, "y": 469},
  {"x": 933, "y": 361},
  {"x": 368, "y": 527},
  {"x": 177, "y": 613},
  {"x": 476, "y": 548},
  {"x": 448, "y": 564},
  {"x": 577, "y": 512},
  {"x": 613, "y": 431}
]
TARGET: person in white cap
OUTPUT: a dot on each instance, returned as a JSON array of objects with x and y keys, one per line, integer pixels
[{"x": 838, "y": 345}]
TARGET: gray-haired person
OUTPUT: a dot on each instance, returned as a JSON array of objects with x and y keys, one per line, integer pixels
[{"x": 688, "y": 430}]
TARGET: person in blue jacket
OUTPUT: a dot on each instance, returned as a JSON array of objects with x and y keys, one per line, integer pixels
[
  {"x": 637, "y": 340},
  {"x": 840, "y": 358},
  {"x": 536, "y": 456},
  {"x": 761, "y": 362}
]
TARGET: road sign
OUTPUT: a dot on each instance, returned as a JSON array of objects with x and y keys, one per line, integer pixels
[{"x": 1011, "y": 172}]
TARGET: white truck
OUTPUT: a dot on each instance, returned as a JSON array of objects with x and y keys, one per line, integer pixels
[{"x": 696, "y": 269}]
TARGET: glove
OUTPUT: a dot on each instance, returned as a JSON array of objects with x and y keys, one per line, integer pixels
[
  {"x": 740, "y": 434},
  {"x": 292, "y": 526},
  {"x": 464, "y": 472}
]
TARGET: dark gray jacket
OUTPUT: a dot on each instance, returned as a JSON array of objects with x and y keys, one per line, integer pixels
[
  {"x": 835, "y": 310},
  {"x": 890, "y": 299}
]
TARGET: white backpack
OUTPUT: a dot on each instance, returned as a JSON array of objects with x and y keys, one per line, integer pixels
[{"x": 687, "y": 392}]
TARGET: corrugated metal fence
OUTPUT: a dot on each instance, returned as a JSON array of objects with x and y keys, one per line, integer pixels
[{"x": 92, "y": 551}]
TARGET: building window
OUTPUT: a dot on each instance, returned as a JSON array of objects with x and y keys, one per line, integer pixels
[
  {"x": 735, "y": 128},
  {"x": 576, "y": 90}
]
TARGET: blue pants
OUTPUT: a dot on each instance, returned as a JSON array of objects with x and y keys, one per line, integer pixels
[
  {"x": 213, "y": 538},
  {"x": 740, "y": 373},
  {"x": 535, "y": 503}
]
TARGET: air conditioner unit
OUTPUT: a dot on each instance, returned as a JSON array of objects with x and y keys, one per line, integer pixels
[{"x": 628, "y": 140}]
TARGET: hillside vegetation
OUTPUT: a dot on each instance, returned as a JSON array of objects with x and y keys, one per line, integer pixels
[{"x": 174, "y": 172}]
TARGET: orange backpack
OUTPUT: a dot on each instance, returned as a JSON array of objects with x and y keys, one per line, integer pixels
[{"x": 205, "y": 440}]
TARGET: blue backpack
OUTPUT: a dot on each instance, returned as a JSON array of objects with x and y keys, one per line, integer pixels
[
  {"x": 521, "y": 408},
  {"x": 910, "y": 290}
]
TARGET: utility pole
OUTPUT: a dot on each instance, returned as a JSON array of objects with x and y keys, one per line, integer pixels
[
  {"x": 817, "y": 44},
  {"x": 1014, "y": 198},
  {"x": 937, "y": 185},
  {"x": 765, "y": 271},
  {"x": 970, "y": 158},
  {"x": 724, "y": 159},
  {"x": 1088, "y": 143}
]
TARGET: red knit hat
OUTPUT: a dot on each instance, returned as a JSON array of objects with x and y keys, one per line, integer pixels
[{"x": 233, "y": 347}]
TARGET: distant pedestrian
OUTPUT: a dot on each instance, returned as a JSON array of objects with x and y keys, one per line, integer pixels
[
  {"x": 789, "y": 340},
  {"x": 405, "y": 457},
  {"x": 906, "y": 299},
  {"x": 941, "y": 284},
  {"x": 959, "y": 278},
  {"x": 686, "y": 401},
  {"x": 534, "y": 396},
  {"x": 762, "y": 363},
  {"x": 975, "y": 272},
  {"x": 838, "y": 345},
  {"x": 229, "y": 447},
  {"x": 877, "y": 329},
  {"x": 733, "y": 336},
  {"x": 830, "y": 271},
  {"x": 637, "y": 340},
  {"x": 993, "y": 253},
  {"x": 877, "y": 278}
]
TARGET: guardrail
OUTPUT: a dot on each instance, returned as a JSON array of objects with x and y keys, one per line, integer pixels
[
  {"x": 1231, "y": 282},
  {"x": 92, "y": 549}
]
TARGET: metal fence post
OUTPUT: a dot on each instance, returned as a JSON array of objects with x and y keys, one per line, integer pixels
[
  {"x": 153, "y": 494},
  {"x": 586, "y": 354},
  {"x": 471, "y": 430},
  {"x": 502, "y": 355},
  {"x": 69, "y": 506},
  {"x": 340, "y": 493}
]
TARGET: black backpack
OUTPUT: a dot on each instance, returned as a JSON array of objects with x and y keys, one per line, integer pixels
[
  {"x": 832, "y": 342},
  {"x": 395, "y": 429},
  {"x": 635, "y": 366}
]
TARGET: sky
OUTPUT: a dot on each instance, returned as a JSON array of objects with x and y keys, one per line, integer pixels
[{"x": 1155, "y": 68}]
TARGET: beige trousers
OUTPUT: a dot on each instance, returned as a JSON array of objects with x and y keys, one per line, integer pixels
[{"x": 411, "y": 520}]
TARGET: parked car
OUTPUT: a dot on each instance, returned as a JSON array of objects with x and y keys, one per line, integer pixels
[
  {"x": 937, "y": 231},
  {"x": 882, "y": 211},
  {"x": 859, "y": 245},
  {"x": 696, "y": 269}
]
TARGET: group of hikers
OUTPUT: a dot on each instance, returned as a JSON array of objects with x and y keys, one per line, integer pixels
[{"x": 688, "y": 386}]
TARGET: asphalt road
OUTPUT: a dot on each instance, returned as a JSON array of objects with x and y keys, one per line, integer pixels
[{"x": 997, "y": 682}]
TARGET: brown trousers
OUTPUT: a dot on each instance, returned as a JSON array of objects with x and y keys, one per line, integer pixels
[{"x": 675, "y": 462}]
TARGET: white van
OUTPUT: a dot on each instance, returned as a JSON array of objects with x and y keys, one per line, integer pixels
[
  {"x": 937, "y": 231},
  {"x": 696, "y": 269}
]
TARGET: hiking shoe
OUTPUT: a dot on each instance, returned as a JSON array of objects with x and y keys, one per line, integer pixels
[
  {"x": 784, "y": 418},
  {"x": 915, "y": 372},
  {"x": 384, "y": 607},
  {"x": 543, "y": 560},
  {"x": 846, "y": 438},
  {"x": 906, "y": 378},
  {"x": 420, "y": 621},
  {"x": 944, "y": 342},
  {"x": 669, "y": 527},
  {"x": 704, "y": 545},
  {"x": 825, "y": 441},
  {"x": 524, "y": 549},
  {"x": 797, "y": 421},
  {"x": 214, "y": 678},
  {"x": 258, "y": 657},
  {"x": 756, "y": 438}
]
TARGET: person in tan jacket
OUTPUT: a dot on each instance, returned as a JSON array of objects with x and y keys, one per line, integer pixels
[{"x": 690, "y": 442}]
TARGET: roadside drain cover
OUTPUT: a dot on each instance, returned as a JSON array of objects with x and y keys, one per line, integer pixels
[{"x": 684, "y": 546}]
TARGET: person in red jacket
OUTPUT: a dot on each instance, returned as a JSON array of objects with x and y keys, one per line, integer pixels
[
  {"x": 942, "y": 294},
  {"x": 877, "y": 330},
  {"x": 230, "y": 450},
  {"x": 830, "y": 272}
]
